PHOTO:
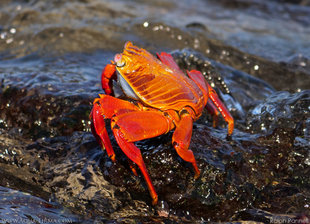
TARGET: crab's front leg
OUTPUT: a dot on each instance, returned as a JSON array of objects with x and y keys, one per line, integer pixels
[
  {"x": 100, "y": 132},
  {"x": 135, "y": 126},
  {"x": 129, "y": 124},
  {"x": 104, "y": 108},
  {"x": 108, "y": 74}
]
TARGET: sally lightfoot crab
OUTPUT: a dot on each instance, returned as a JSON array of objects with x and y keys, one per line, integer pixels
[{"x": 159, "y": 98}]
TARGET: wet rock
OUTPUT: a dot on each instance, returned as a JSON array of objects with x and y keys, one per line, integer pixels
[
  {"x": 282, "y": 110},
  {"x": 266, "y": 217},
  {"x": 35, "y": 115},
  {"x": 19, "y": 207}
]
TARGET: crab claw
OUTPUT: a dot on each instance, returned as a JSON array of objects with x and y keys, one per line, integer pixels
[{"x": 108, "y": 73}]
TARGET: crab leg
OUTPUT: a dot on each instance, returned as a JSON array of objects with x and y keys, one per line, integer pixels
[
  {"x": 167, "y": 59},
  {"x": 139, "y": 125},
  {"x": 181, "y": 139},
  {"x": 110, "y": 106},
  {"x": 134, "y": 153},
  {"x": 135, "y": 126},
  {"x": 107, "y": 106},
  {"x": 199, "y": 79},
  {"x": 211, "y": 108},
  {"x": 100, "y": 132},
  {"x": 222, "y": 108}
]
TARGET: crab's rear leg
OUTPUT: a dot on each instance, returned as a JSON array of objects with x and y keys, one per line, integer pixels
[
  {"x": 210, "y": 93},
  {"x": 138, "y": 125},
  {"x": 222, "y": 108},
  {"x": 167, "y": 59},
  {"x": 211, "y": 108}
]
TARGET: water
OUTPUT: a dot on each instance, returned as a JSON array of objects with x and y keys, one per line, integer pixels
[
  {"x": 19, "y": 207},
  {"x": 256, "y": 54}
]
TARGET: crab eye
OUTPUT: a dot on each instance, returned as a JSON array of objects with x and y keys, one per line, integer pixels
[{"x": 120, "y": 62}]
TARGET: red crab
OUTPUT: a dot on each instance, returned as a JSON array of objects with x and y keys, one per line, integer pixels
[{"x": 159, "y": 98}]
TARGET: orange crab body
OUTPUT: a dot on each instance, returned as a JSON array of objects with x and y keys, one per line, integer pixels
[{"x": 159, "y": 98}]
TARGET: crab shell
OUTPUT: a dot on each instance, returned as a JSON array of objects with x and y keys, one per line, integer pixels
[{"x": 144, "y": 77}]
